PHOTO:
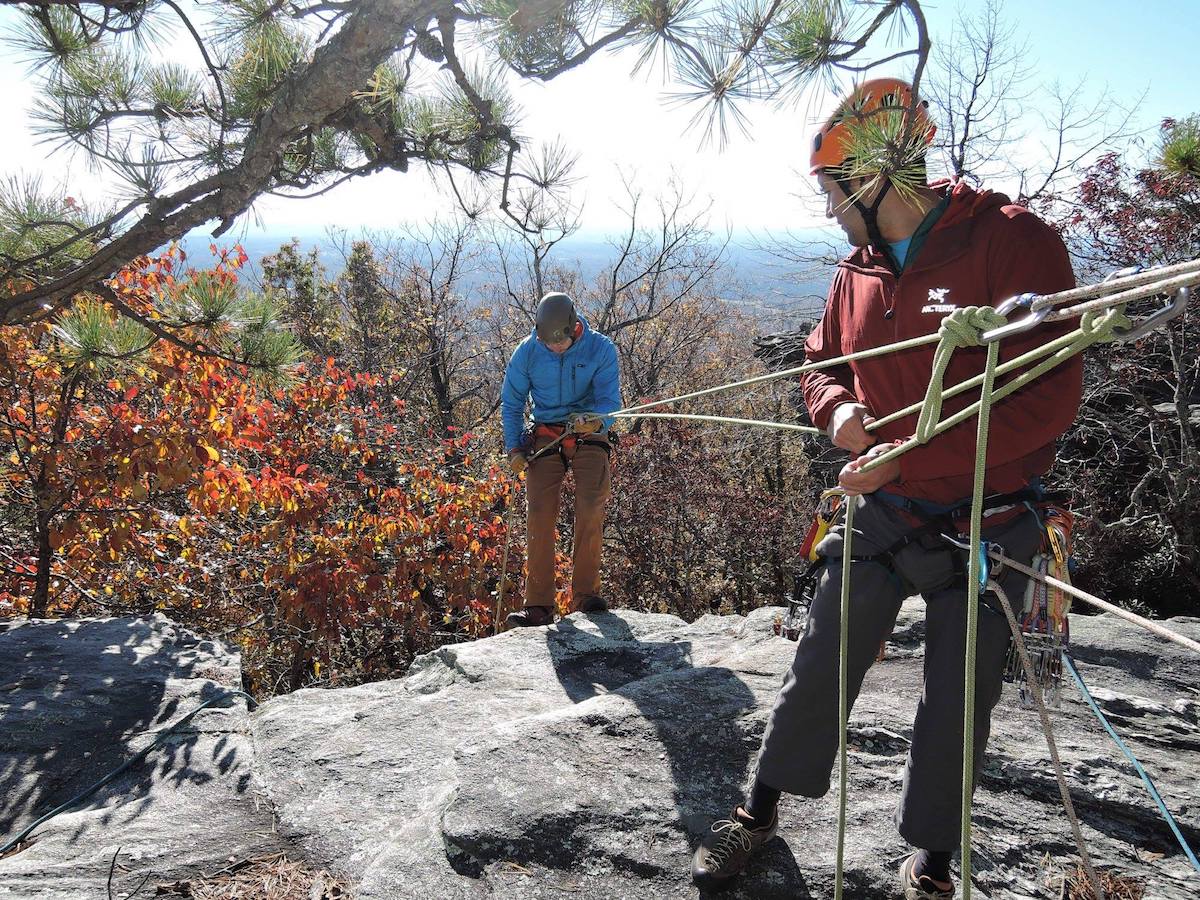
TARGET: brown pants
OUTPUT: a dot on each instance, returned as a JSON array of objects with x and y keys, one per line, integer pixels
[{"x": 543, "y": 486}]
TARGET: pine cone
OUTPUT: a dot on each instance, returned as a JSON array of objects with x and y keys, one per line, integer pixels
[{"x": 430, "y": 47}]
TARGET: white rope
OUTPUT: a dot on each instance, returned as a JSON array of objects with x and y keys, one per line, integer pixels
[
  {"x": 1154, "y": 627},
  {"x": 1115, "y": 285}
]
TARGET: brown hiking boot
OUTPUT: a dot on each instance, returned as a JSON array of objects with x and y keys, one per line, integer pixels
[
  {"x": 922, "y": 888},
  {"x": 531, "y": 616},
  {"x": 590, "y": 603},
  {"x": 728, "y": 846}
]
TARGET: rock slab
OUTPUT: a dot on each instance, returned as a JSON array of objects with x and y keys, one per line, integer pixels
[
  {"x": 80, "y": 698},
  {"x": 585, "y": 760}
]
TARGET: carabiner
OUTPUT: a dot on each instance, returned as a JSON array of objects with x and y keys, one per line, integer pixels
[
  {"x": 989, "y": 566},
  {"x": 1173, "y": 310},
  {"x": 1023, "y": 301}
]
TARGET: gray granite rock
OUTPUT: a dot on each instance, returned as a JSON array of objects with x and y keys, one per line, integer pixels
[
  {"x": 586, "y": 759},
  {"x": 582, "y": 760},
  {"x": 78, "y": 699}
]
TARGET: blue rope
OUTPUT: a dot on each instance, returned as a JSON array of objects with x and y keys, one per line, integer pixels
[{"x": 1070, "y": 663}]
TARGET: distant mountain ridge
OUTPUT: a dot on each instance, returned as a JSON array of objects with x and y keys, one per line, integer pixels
[{"x": 760, "y": 281}]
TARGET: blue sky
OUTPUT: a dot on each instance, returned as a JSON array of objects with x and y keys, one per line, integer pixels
[{"x": 620, "y": 125}]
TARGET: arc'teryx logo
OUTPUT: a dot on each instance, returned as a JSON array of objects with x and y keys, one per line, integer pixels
[{"x": 937, "y": 304}]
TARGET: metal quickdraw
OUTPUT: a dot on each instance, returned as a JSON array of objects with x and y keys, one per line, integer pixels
[{"x": 1045, "y": 625}]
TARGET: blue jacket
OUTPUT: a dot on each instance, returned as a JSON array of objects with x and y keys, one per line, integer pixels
[{"x": 583, "y": 379}]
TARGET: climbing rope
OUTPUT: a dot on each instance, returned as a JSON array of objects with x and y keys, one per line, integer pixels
[
  {"x": 1154, "y": 794},
  {"x": 843, "y": 696},
  {"x": 726, "y": 420},
  {"x": 251, "y": 703},
  {"x": 1035, "y": 688},
  {"x": 977, "y": 575},
  {"x": 510, "y": 520},
  {"x": 1093, "y": 329},
  {"x": 961, "y": 328}
]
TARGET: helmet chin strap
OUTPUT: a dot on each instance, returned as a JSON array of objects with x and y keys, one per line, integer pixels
[{"x": 870, "y": 217}]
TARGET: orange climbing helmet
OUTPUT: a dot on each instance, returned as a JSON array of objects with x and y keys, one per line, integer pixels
[{"x": 831, "y": 144}]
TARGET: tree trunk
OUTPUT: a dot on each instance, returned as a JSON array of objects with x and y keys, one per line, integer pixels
[{"x": 40, "y": 604}]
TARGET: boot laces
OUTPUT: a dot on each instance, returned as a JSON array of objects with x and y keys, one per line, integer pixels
[{"x": 735, "y": 835}]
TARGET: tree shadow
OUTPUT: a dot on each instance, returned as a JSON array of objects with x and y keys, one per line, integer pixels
[{"x": 78, "y": 699}]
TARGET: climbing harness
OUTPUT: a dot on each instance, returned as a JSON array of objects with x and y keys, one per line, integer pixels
[
  {"x": 935, "y": 521},
  {"x": 561, "y": 439}
]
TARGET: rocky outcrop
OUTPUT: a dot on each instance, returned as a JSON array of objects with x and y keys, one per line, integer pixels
[
  {"x": 585, "y": 760},
  {"x": 78, "y": 699}
]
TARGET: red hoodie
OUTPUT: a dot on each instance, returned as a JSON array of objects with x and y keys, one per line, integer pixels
[{"x": 982, "y": 251}]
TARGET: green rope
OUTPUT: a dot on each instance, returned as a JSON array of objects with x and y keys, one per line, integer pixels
[
  {"x": 843, "y": 693},
  {"x": 962, "y": 328},
  {"x": 974, "y": 577},
  {"x": 1003, "y": 369},
  {"x": 1094, "y": 329}
]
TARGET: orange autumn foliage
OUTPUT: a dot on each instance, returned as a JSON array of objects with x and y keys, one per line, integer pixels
[{"x": 339, "y": 530}]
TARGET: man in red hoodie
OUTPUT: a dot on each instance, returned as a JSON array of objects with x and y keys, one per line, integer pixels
[{"x": 918, "y": 256}]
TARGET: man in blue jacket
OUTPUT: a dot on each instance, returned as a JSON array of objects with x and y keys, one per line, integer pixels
[{"x": 570, "y": 374}]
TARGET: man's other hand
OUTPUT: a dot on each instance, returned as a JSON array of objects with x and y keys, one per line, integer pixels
[
  {"x": 517, "y": 461},
  {"x": 847, "y": 427},
  {"x": 854, "y": 481},
  {"x": 587, "y": 424}
]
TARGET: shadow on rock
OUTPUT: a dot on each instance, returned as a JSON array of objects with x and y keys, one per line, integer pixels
[
  {"x": 77, "y": 700},
  {"x": 627, "y": 777}
]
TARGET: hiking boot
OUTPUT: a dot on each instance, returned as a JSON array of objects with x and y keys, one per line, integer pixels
[
  {"x": 922, "y": 888},
  {"x": 590, "y": 603},
  {"x": 728, "y": 846},
  {"x": 531, "y": 616}
]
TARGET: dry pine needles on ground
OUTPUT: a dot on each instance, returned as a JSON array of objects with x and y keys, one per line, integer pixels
[
  {"x": 1075, "y": 886},
  {"x": 272, "y": 877}
]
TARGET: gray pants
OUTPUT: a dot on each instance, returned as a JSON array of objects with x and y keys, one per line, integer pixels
[{"x": 801, "y": 739}]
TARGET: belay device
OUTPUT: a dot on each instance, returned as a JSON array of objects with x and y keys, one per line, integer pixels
[{"x": 1044, "y": 622}]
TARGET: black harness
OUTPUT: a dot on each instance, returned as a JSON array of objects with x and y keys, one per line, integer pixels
[{"x": 933, "y": 524}]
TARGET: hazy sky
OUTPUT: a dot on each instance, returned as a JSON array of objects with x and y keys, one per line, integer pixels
[{"x": 620, "y": 124}]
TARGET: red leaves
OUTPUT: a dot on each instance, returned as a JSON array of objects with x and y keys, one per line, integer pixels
[{"x": 179, "y": 485}]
